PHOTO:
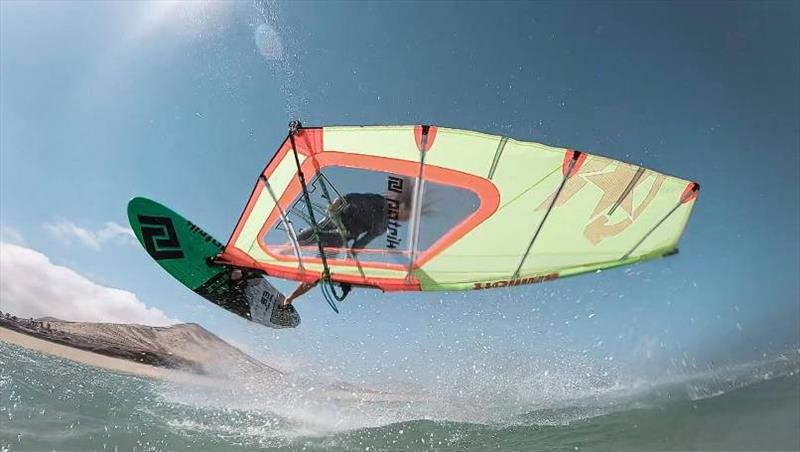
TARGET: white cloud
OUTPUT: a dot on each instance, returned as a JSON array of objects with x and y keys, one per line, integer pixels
[
  {"x": 67, "y": 232},
  {"x": 32, "y": 286},
  {"x": 11, "y": 235}
]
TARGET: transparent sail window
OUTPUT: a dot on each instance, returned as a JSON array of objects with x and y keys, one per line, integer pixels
[{"x": 364, "y": 219}]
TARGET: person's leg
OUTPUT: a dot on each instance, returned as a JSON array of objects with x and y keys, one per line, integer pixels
[
  {"x": 331, "y": 241},
  {"x": 300, "y": 290},
  {"x": 346, "y": 288}
]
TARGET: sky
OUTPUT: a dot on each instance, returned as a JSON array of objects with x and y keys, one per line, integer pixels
[{"x": 184, "y": 102}]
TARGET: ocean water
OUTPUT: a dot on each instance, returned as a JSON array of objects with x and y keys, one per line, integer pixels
[{"x": 49, "y": 403}]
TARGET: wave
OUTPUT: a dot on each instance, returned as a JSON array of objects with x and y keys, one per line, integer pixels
[
  {"x": 277, "y": 410},
  {"x": 539, "y": 405}
]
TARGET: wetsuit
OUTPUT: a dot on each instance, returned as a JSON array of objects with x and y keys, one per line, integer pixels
[{"x": 364, "y": 217}]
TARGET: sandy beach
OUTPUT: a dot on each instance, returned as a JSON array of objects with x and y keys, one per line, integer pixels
[{"x": 102, "y": 361}]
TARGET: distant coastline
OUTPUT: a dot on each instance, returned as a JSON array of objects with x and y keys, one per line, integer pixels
[
  {"x": 47, "y": 330},
  {"x": 187, "y": 349}
]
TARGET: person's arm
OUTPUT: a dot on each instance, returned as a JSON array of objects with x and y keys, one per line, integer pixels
[
  {"x": 306, "y": 236},
  {"x": 364, "y": 240}
]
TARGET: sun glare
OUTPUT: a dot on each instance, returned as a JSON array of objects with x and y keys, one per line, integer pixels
[{"x": 186, "y": 19}]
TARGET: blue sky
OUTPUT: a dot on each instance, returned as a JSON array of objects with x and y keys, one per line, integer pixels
[{"x": 100, "y": 102}]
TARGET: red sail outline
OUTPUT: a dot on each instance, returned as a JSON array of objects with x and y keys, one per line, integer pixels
[{"x": 310, "y": 144}]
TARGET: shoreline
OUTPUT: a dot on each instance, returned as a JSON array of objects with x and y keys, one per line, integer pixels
[
  {"x": 102, "y": 361},
  {"x": 37, "y": 329}
]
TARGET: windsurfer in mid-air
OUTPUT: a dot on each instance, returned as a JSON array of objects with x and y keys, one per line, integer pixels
[{"x": 355, "y": 217}]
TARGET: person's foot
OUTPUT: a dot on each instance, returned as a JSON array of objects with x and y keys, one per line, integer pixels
[{"x": 285, "y": 316}]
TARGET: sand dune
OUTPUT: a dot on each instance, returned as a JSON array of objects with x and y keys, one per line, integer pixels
[
  {"x": 183, "y": 352},
  {"x": 98, "y": 360}
]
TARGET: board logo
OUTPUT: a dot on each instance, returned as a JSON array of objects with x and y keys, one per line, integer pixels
[
  {"x": 196, "y": 229},
  {"x": 266, "y": 298},
  {"x": 159, "y": 237}
]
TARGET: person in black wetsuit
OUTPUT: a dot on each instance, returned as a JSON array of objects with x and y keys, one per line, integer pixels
[{"x": 363, "y": 217}]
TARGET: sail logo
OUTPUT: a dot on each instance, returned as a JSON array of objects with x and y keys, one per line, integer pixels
[
  {"x": 515, "y": 282},
  {"x": 617, "y": 207},
  {"x": 159, "y": 237},
  {"x": 393, "y": 185}
]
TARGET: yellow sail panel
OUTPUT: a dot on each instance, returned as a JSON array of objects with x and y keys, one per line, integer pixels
[{"x": 452, "y": 209}]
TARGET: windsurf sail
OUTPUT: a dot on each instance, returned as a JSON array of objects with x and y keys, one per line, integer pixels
[{"x": 464, "y": 210}]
